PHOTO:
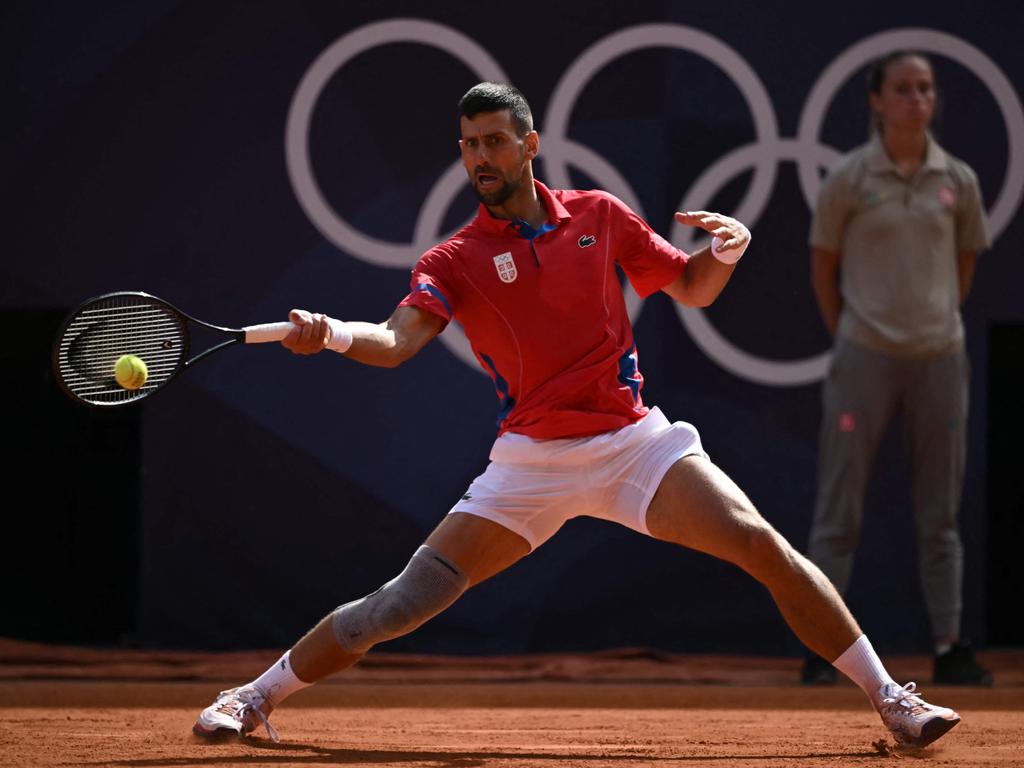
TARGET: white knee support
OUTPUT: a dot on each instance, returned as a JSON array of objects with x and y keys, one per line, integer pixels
[{"x": 428, "y": 585}]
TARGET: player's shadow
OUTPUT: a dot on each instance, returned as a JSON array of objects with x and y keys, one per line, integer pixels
[{"x": 290, "y": 754}]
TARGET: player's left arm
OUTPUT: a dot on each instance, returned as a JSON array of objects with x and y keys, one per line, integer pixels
[{"x": 708, "y": 271}]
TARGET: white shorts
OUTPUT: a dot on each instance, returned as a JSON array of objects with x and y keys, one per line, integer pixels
[{"x": 533, "y": 486}]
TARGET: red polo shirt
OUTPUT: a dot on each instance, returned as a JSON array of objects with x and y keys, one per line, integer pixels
[{"x": 544, "y": 311}]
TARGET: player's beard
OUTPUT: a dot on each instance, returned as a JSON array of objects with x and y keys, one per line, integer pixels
[{"x": 500, "y": 195}]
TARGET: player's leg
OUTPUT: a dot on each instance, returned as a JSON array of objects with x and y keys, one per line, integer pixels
[
  {"x": 463, "y": 550},
  {"x": 471, "y": 548},
  {"x": 936, "y": 441},
  {"x": 698, "y": 506}
]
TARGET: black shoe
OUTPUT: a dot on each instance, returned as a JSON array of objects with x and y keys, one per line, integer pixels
[
  {"x": 817, "y": 671},
  {"x": 957, "y": 666}
]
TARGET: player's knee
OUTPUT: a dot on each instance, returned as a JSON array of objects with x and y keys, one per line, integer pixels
[
  {"x": 428, "y": 585},
  {"x": 398, "y": 616},
  {"x": 766, "y": 551}
]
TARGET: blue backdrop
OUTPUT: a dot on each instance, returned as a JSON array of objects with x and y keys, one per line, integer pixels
[{"x": 241, "y": 159}]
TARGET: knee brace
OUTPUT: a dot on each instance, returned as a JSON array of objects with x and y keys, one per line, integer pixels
[{"x": 428, "y": 585}]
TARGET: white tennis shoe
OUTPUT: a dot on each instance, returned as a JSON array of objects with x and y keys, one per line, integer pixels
[
  {"x": 913, "y": 721},
  {"x": 238, "y": 710}
]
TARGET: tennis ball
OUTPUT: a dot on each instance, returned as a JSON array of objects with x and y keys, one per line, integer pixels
[{"x": 130, "y": 372}]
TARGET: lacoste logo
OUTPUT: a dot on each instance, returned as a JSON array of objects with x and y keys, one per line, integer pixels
[
  {"x": 506, "y": 267},
  {"x": 587, "y": 240},
  {"x": 467, "y": 497}
]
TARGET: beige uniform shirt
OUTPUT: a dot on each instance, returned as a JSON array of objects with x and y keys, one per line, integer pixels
[{"x": 898, "y": 241}]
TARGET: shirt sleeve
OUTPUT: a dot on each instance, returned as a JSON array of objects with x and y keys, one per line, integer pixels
[
  {"x": 830, "y": 214},
  {"x": 649, "y": 260},
  {"x": 971, "y": 225},
  {"x": 430, "y": 287}
]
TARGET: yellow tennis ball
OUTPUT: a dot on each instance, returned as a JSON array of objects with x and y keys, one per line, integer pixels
[{"x": 130, "y": 372}]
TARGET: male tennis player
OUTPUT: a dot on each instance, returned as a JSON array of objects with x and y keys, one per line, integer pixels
[{"x": 532, "y": 280}]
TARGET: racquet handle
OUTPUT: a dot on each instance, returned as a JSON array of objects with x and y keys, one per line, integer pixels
[
  {"x": 259, "y": 334},
  {"x": 341, "y": 337}
]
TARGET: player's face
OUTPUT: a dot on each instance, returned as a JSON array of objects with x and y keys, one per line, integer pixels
[
  {"x": 906, "y": 101},
  {"x": 495, "y": 158}
]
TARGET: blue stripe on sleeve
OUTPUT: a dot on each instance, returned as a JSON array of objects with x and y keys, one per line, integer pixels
[{"x": 437, "y": 295}]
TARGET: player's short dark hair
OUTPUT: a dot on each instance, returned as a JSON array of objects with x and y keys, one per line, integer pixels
[{"x": 494, "y": 97}]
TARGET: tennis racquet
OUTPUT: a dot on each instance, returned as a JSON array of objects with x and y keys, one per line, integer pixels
[{"x": 102, "y": 329}]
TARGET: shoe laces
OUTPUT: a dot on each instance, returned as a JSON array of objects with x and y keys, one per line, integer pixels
[
  {"x": 904, "y": 696},
  {"x": 245, "y": 700}
]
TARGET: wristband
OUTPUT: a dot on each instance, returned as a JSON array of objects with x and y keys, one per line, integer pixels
[
  {"x": 730, "y": 256},
  {"x": 341, "y": 335}
]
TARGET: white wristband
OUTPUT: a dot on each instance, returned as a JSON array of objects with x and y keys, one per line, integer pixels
[
  {"x": 730, "y": 256},
  {"x": 341, "y": 335}
]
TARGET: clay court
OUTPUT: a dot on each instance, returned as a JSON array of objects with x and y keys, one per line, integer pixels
[{"x": 625, "y": 708}]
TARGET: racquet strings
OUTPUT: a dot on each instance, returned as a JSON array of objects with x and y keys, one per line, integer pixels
[{"x": 103, "y": 331}]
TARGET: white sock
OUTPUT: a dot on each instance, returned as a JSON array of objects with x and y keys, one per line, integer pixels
[
  {"x": 279, "y": 682},
  {"x": 861, "y": 664}
]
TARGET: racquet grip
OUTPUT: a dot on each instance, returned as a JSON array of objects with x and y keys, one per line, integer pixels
[
  {"x": 259, "y": 334},
  {"x": 341, "y": 335}
]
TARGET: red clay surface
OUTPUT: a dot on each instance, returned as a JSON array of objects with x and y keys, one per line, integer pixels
[{"x": 81, "y": 707}]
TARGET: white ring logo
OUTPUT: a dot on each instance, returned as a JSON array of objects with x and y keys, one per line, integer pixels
[{"x": 762, "y": 155}]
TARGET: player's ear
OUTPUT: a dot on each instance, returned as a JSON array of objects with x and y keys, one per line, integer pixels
[{"x": 532, "y": 142}]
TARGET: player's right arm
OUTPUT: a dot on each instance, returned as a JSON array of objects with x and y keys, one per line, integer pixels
[{"x": 386, "y": 344}]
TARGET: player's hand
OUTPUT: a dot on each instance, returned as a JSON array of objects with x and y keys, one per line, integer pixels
[
  {"x": 731, "y": 232},
  {"x": 312, "y": 335}
]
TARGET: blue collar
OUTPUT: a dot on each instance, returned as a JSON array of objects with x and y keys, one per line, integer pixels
[{"x": 528, "y": 232}]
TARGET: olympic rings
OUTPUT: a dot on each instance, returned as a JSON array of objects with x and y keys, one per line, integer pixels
[
  {"x": 300, "y": 114},
  {"x": 559, "y": 152}
]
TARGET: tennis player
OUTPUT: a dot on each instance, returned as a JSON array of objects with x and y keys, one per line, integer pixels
[{"x": 532, "y": 280}]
